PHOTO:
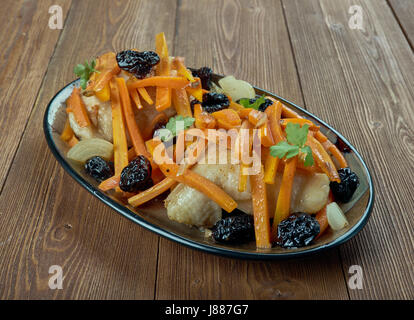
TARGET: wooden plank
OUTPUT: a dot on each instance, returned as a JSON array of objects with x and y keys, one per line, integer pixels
[
  {"x": 361, "y": 83},
  {"x": 404, "y": 11},
  {"x": 46, "y": 218},
  {"x": 248, "y": 39},
  {"x": 27, "y": 45}
]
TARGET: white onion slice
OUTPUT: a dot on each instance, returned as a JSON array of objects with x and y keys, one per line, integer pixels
[
  {"x": 237, "y": 89},
  {"x": 88, "y": 148},
  {"x": 336, "y": 217}
]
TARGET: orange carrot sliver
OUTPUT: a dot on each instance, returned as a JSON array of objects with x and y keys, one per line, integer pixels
[
  {"x": 271, "y": 166},
  {"x": 260, "y": 211},
  {"x": 144, "y": 94},
  {"x": 134, "y": 132},
  {"x": 181, "y": 102},
  {"x": 67, "y": 132},
  {"x": 152, "y": 192},
  {"x": 323, "y": 159},
  {"x": 322, "y": 218},
  {"x": 118, "y": 128},
  {"x": 285, "y": 192},
  {"x": 135, "y": 97},
  {"x": 110, "y": 183},
  {"x": 160, "y": 81},
  {"x": 75, "y": 103}
]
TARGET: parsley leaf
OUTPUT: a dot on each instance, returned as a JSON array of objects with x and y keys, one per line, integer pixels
[
  {"x": 308, "y": 158},
  {"x": 84, "y": 71},
  {"x": 284, "y": 149},
  {"x": 175, "y": 125},
  {"x": 245, "y": 102},
  {"x": 296, "y": 137}
]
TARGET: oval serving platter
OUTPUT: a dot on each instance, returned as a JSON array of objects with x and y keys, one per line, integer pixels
[{"x": 152, "y": 216}]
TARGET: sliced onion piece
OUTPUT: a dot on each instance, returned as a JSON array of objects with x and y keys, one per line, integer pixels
[
  {"x": 336, "y": 217},
  {"x": 88, "y": 148},
  {"x": 237, "y": 89}
]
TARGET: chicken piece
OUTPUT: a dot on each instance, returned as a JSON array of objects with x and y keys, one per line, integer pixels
[
  {"x": 187, "y": 205},
  {"x": 309, "y": 192}
]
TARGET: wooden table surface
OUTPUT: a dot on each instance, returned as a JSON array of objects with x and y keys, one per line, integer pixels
[{"x": 361, "y": 81}]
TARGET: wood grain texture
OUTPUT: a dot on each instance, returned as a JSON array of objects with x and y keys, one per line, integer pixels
[
  {"x": 249, "y": 40},
  {"x": 45, "y": 217},
  {"x": 361, "y": 82},
  {"x": 404, "y": 11},
  {"x": 27, "y": 45}
]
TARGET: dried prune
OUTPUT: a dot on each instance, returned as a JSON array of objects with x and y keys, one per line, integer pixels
[
  {"x": 137, "y": 63},
  {"x": 263, "y": 106},
  {"x": 298, "y": 230},
  {"x": 234, "y": 229},
  {"x": 344, "y": 191},
  {"x": 340, "y": 144},
  {"x": 99, "y": 169},
  {"x": 136, "y": 175},
  {"x": 213, "y": 102},
  {"x": 204, "y": 74}
]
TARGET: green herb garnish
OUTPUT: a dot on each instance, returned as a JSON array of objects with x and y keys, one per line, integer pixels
[
  {"x": 174, "y": 126},
  {"x": 84, "y": 71},
  {"x": 245, "y": 102},
  {"x": 296, "y": 137}
]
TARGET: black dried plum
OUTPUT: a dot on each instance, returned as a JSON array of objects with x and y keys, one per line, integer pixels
[
  {"x": 213, "y": 102},
  {"x": 340, "y": 144},
  {"x": 344, "y": 191},
  {"x": 298, "y": 230},
  {"x": 204, "y": 74},
  {"x": 234, "y": 229},
  {"x": 136, "y": 175},
  {"x": 99, "y": 169},
  {"x": 137, "y": 63}
]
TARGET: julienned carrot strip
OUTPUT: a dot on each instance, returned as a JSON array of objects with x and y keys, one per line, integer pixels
[
  {"x": 266, "y": 136},
  {"x": 163, "y": 95},
  {"x": 107, "y": 66},
  {"x": 194, "y": 180},
  {"x": 152, "y": 192},
  {"x": 110, "y": 183},
  {"x": 134, "y": 132},
  {"x": 285, "y": 192},
  {"x": 67, "y": 132},
  {"x": 118, "y": 128},
  {"x": 135, "y": 97},
  {"x": 181, "y": 102},
  {"x": 144, "y": 94},
  {"x": 260, "y": 211},
  {"x": 244, "y": 152},
  {"x": 300, "y": 121},
  {"x": 338, "y": 156},
  {"x": 160, "y": 118},
  {"x": 274, "y": 113},
  {"x": 271, "y": 166},
  {"x": 320, "y": 137},
  {"x": 160, "y": 81},
  {"x": 182, "y": 69},
  {"x": 242, "y": 178},
  {"x": 75, "y": 103},
  {"x": 323, "y": 159},
  {"x": 322, "y": 218}
]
